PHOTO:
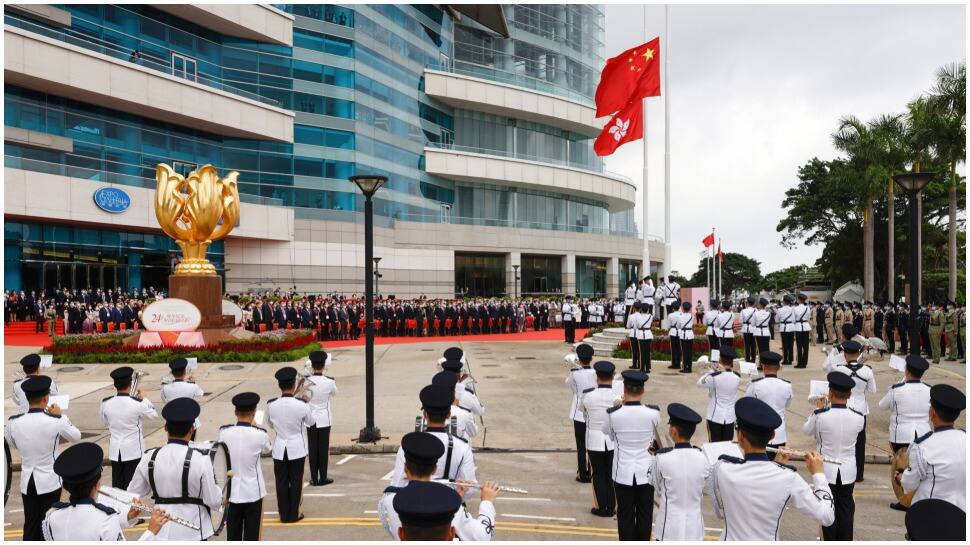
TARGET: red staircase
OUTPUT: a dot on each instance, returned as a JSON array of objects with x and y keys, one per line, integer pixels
[{"x": 29, "y": 328}]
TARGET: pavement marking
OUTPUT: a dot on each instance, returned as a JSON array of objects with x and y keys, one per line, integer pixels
[
  {"x": 388, "y": 476},
  {"x": 271, "y": 512},
  {"x": 537, "y": 517},
  {"x": 503, "y": 498},
  {"x": 948, "y": 372},
  {"x": 16, "y": 510},
  {"x": 370, "y": 512},
  {"x": 346, "y": 459}
]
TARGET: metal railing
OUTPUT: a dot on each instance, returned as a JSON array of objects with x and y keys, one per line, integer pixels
[{"x": 498, "y": 75}]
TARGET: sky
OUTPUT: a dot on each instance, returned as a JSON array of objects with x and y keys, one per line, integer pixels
[{"x": 757, "y": 91}]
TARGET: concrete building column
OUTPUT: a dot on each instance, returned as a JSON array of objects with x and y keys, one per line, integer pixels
[
  {"x": 511, "y": 259},
  {"x": 613, "y": 277},
  {"x": 569, "y": 274}
]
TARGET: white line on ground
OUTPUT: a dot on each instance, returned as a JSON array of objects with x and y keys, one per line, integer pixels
[
  {"x": 370, "y": 512},
  {"x": 563, "y": 519},
  {"x": 346, "y": 459},
  {"x": 324, "y": 495},
  {"x": 5, "y": 524},
  {"x": 306, "y": 485},
  {"x": 388, "y": 476},
  {"x": 16, "y": 510},
  {"x": 503, "y": 498},
  {"x": 271, "y": 512}
]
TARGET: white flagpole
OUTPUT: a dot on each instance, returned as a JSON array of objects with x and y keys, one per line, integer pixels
[
  {"x": 644, "y": 201},
  {"x": 720, "y": 266},
  {"x": 666, "y": 92}
]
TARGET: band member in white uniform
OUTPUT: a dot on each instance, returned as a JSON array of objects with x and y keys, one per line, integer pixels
[
  {"x": 722, "y": 388},
  {"x": 427, "y": 512},
  {"x": 751, "y": 493},
  {"x": 36, "y": 434},
  {"x": 570, "y": 315},
  {"x": 421, "y": 454},
  {"x": 178, "y": 477},
  {"x": 865, "y": 384},
  {"x": 288, "y": 415},
  {"x": 82, "y": 518},
  {"x": 599, "y": 446},
  {"x": 461, "y": 418},
  {"x": 458, "y": 462},
  {"x": 909, "y": 402},
  {"x": 747, "y": 330},
  {"x": 181, "y": 386},
  {"x": 685, "y": 333},
  {"x": 786, "y": 324},
  {"x": 938, "y": 460},
  {"x": 802, "y": 329},
  {"x": 631, "y": 427},
  {"x": 680, "y": 474},
  {"x": 464, "y": 393},
  {"x": 761, "y": 326},
  {"x": 324, "y": 388},
  {"x": 776, "y": 392},
  {"x": 246, "y": 442},
  {"x": 579, "y": 380},
  {"x": 122, "y": 414},
  {"x": 31, "y": 366},
  {"x": 835, "y": 429}
]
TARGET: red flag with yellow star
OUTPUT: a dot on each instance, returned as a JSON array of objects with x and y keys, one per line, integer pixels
[
  {"x": 629, "y": 76},
  {"x": 626, "y": 126}
]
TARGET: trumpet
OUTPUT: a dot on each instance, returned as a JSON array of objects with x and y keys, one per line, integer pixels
[
  {"x": 135, "y": 379},
  {"x": 801, "y": 453},
  {"x": 105, "y": 491},
  {"x": 454, "y": 484}
]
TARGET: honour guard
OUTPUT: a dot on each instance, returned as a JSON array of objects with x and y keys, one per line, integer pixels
[
  {"x": 709, "y": 316},
  {"x": 36, "y": 434},
  {"x": 775, "y": 391},
  {"x": 599, "y": 446},
  {"x": 757, "y": 490},
  {"x": 427, "y": 512},
  {"x": 179, "y": 477},
  {"x": 786, "y": 322},
  {"x": 81, "y": 518},
  {"x": 747, "y": 330},
  {"x": 246, "y": 442},
  {"x": 579, "y": 380},
  {"x": 835, "y": 429},
  {"x": 421, "y": 454},
  {"x": 631, "y": 322},
  {"x": 630, "y": 296},
  {"x": 457, "y": 462},
  {"x": 802, "y": 330},
  {"x": 680, "y": 474},
  {"x": 181, "y": 386},
  {"x": 724, "y": 325},
  {"x": 671, "y": 294},
  {"x": 673, "y": 333},
  {"x": 760, "y": 327},
  {"x": 619, "y": 312},
  {"x": 323, "y": 388},
  {"x": 31, "y": 366},
  {"x": 570, "y": 314},
  {"x": 631, "y": 428},
  {"x": 648, "y": 295},
  {"x": 642, "y": 329},
  {"x": 685, "y": 333},
  {"x": 288, "y": 415},
  {"x": 122, "y": 414},
  {"x": 909, "y": 402},
  {"x": 722, "y": 388},
  {"x": 938, "y": 460},
  {"x": 865, "y": 383}
]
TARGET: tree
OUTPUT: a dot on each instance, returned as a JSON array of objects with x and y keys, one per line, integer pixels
[
  {"x": 786, "y": 278},
  {"x": 740, "y": 272}
]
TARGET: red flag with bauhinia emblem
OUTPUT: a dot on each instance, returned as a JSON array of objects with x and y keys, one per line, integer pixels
[
  {"x": 629, "y": 76},
  {"x": 625, "y": 126}
]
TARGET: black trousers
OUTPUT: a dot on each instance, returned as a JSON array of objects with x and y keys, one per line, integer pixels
[
  {"x": 634, "y": 511},
  {"x": 687, "y": 353},
  {"x": 841, "y": 529},
  {"x": 801, "y": 348},
  {"x": 634, "y": 352},
  {"x": 289, "y": 487},
  {"x": 714, "y": 341},
  {"x": 762, "y": 345},
  {"x": 904, "y": 341},
  {"x": 582, "y": 463},
  {"x": 787, "y": 348},
  {"x": 645, "y": 356},
  {"x": 602, "y": 464},
  {"x": 891, "y": 341},
  {"x": 35, "y": 509},
  {"x": 569, "y": 326},
  {"x": 820, "y": 333},
  {"x": 318, "y": 443},
  {"x": 122, "y": 472},
  {"x": 750, "y": 348},
  {"x": 860, "y": 451},
  {"x": 244, "y": 521},
  {"x": 720, "y": 432},
  {"x": 675, "y": 352}
]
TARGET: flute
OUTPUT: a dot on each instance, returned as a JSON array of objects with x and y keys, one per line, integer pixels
[
  {"x": 790, "y": 452},
  {"x": 147, "y": 510},
  {"x": 454, "y": 484}
]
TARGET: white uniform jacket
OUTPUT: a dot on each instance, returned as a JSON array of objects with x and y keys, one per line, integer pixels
[
  {"x": 630, "y": 427},
  {"x": 685, "y": 326},
  {"x": 20, "y": 399},
  {"x": 87, "y": 520},
  {"x": 37, "y": 435},
  {"x": 457, "y": 463},
  {"x": 835, "y": 430},
  {"x": 784, "y": 319},
  {"x": 630, "y": 295},
  {"x": 865, "y": 383},
  {"x": 722, "y": 392},
  {"x": 672, "y": 330},
  {"x": 759, "y": 323},
  {"x": 246, "y": 443},
  {"x": 323, "y": 388},
  {"x": 709, "y": 317},
  {"x": 595, "y": 402},
  {"x": 800, "y": 318},
  {"x": 938, "y": 467},
  {"x": 288, "y": 416},
  {"x": 724, "y": 324},
  {"x": 777, "y": 392},
  {"x": 680, "y": 474},
  {"x": 467, "y": 527},
  {"x": 122, "y": 415},
  {"x": 579, "y": 380},
  {"x": 180, "y": 388},
  {"x": 909, "y": 402}
]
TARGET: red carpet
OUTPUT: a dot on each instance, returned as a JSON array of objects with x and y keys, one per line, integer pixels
[{"x": 22, "y": 334}]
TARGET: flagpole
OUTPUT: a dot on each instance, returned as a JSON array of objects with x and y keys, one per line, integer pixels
[
  {"x": 644, "y": 201},
  {"x": 666, "y": 93},
  {"x": 720, "y": 266}
]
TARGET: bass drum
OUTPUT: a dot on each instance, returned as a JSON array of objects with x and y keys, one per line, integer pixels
[
  {"x": 898, "y": 464},
  {"x": 222, "y": 469},
  {"x": 8, "y": 468}
]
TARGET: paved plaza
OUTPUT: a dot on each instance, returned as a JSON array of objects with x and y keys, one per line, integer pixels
[{"x": 528, "y": 442}]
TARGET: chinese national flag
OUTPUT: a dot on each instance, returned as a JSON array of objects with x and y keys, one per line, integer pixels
[
  {"x": 625, "y": 126},
  {"x": 708, "y": 240},
  {"x": 629, "y": 76}
]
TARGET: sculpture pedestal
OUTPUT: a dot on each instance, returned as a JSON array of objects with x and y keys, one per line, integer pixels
[{"x": 205, "y": 292}]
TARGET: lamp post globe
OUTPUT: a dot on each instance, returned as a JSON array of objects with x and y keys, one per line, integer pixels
[{"x": 913, "y": 183}]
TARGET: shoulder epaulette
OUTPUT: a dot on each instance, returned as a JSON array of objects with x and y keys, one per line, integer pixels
[
  {"x": 104, "y": 508},
  {"x": 464, "y": 409},
  {"x": 857, "y": 412},
  {"x": 264, "y": 430},
  {"x": 736, "y": 373},
  {"x": 820, "y": 411},
  {"x": 271, "y": 400},
  {"x": 331, "y": 378},
  {"x": 18, "y": 380},
  {"x": 226, "y": 426},
  {"x": 716, "y": 373},
  {"x": 784, "y": 379},
  {"x": 576, "y": 369},
  {"x": 665, "y": 450},
  {"x": 786, "y": 466},
  {"x": 393, "y": 489},
  {"x": 469, "y": 390},
  {"x": 147, "y": 450},
  {"x": 731, "y": 459},
  {"x": 16, "y": 416},
  {"x": 613, "y": 409},
  {"x": 106, "y": 399},
  {"x": 922, "y": 438},
  {"x": 460, "y": 438},
  {"x": 60, "y": 505},
  {"x": 897, "y": 385},
  {"x": 137, "y": 399},
  {"x": 588, "y": 390},
  {"x": 52, "y": 415},
  {"x": 757, "y": 379},
  {"x": 654, "y": 407}
]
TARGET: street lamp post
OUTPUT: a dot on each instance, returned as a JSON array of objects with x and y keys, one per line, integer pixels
[
  {"x": 913, "y": 183},
  {"x": 369, "y": 184},
  {"x": 515, "y": 275},
  {"x": 377, "y": 276}
]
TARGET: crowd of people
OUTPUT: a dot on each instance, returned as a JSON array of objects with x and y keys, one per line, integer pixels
[{"x": 82, "y": 310}]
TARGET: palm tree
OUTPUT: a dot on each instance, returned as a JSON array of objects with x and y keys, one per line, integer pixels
[
  {"x": 891, "y": 132},
  {"x": 919, "y": 139},
  {"x": 949, "y": 128}
]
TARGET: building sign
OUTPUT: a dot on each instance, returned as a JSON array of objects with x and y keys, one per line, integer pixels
[
  {"x": 112, "y": 199},
  {"x": 232, "y": 309},
  {"x": 171, "y": 315}
]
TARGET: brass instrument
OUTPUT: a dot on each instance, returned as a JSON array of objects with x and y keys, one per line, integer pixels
[
  {"x": 897, "y": 465},
  {"x": 303, "y": 390},
  {"x": 453, "y": 484},
  {"x": 661, "y": 439},
  {"x": 135, "y": 379},
  {"x": 800, "y": 453},
  {"x": 107, "y": 492},
  {"x": 572, "y": 361}
]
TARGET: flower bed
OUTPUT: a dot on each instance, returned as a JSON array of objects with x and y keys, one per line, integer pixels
[
  {"x": 272, "y": 346},
  {"x": 660, "y": 348},
  {"x": 116, "y": 338}
]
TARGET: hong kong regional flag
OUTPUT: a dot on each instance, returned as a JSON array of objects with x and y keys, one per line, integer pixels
[
  {"x": 629, "y": 76},
  {"x": 625, "y": 126}
]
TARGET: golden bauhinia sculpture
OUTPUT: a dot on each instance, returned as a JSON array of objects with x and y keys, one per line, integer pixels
[{"x": 195, "y": 211}]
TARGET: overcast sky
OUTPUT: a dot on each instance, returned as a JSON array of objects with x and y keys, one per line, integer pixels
[{"x": 756, "y": 91}]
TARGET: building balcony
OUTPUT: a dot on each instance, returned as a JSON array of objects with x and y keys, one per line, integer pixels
[
  {"x": 256, "y": 22},
  {"x": 504, "y": 168},
  {"x": 47, "y": 60},
  {"x": 461, "y": 90}
]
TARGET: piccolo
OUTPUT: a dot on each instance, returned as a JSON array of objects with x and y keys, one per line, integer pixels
[
  {"x": 454, "y": 484},
  {"x": 147, "y": 510},
  {"x": 801, "y": 453}
]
